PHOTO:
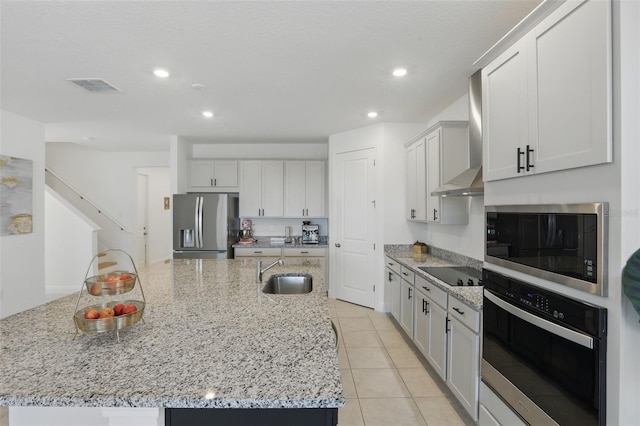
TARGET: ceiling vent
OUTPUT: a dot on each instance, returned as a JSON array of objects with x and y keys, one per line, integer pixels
[{"x": 95, "y": 85}]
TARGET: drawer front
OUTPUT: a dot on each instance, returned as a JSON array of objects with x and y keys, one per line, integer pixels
[
  {"x": 465, "y": 314},
  {"x": 432, "y": 291},
  {"x": 257, "y": 252},
  {"x": 304, "y": 252},
  {"x": 392, "y": 264},
  {"x": 407, "y": 274}
]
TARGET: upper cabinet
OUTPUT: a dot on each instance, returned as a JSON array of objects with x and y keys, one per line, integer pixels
[
  {"x": 434, "y": 158},
  {"x": 214, "y": 175},
  {"x": 547, "y": 99},
  {"x": 304, "y": 188},
  {"x": 261, "y": 188},
  {"x": 416, "y": 181}
]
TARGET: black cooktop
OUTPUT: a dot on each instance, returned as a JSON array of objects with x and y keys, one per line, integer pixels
[{"x": 455, "y": 275}]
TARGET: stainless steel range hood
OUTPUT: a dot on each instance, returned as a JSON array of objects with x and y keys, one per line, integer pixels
[{"x": 469, "y": 182}]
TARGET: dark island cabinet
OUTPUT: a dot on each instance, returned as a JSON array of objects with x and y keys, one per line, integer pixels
[{"x": 251, "y": 417}]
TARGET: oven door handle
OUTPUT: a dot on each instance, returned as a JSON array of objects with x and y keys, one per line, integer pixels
[{"x": 574, "y": 336}]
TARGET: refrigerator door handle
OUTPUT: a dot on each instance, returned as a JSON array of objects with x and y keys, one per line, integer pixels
[
  {"x": 195, "y": 221},
  {"x": 200, "y": 221}
]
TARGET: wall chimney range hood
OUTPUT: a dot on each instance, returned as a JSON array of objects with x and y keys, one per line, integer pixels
[{"x": 469, "y": 182}]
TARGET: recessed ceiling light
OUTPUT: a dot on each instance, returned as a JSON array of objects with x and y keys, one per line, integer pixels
[
  {"x": 161, "y": 73},
  {"x": 400, "y": 72},
  {"x": 372, "y": 114},
  {"x": 207, "y": 114},
  {"x": 197, "y": 86}
]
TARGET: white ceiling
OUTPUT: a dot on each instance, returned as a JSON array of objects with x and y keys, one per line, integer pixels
[{"x": 286, "y": 71}]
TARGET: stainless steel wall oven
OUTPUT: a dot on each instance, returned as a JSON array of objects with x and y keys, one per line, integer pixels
[
  {"x": 543, "y": 353},
  {"x": 564, "y": 243}
]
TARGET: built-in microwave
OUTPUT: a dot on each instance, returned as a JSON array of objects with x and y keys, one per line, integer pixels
[{"x": 563, "y": 243}]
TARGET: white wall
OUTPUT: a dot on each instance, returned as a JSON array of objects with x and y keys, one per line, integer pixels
[
  {"x": 261, "y": 150},
  {"x": 70, "y": 243},
  {"x": 106, "y": 178},
  {"x": 159, "y": 220},
  {"x": 179, "y": 154},
  {"x": 22, "y": 256}
]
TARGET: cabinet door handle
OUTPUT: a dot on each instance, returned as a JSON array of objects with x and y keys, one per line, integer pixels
[
  {"x": 215, "y": 182},
  {"x": 427, "y": 310},
  {"x": 211, "y": 181},
  {"x": 435, "y": 214},
  {"x": 426, "y": 288},
  {"x": 529, "y": 165},
  {"x": 458, "y": 310},
  {"x": 520, "y": 152},
  {"x": 446, "y": 325},
  {"x": 389, "y": 276},
  {"x": 302, "y": 212},
  {"x": 413, "y": 213},
  {"x": 409, "y": 293}
]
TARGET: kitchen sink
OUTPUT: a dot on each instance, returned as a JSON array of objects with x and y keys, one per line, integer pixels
[{"x": 289, "y": 284}]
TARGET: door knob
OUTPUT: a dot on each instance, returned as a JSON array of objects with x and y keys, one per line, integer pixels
[{"x": 338, "y": 245}]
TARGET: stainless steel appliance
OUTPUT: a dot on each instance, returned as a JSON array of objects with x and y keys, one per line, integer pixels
[
  {"x": 310, "y": 233},
  {"x": 455, "y": 275},
  {"x": 543, "y": 353},
  {"x": 564, "y": 243},
  {"x": 205, "y": 225}
]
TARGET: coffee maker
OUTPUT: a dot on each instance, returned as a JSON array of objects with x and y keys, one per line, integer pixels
[{"x": 310, "y": 233}]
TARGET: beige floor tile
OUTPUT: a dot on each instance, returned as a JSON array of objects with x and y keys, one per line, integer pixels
[
  {"x": 368, "y": 358},
  {"x": 438, "y": 411},
  {"x": 419, "y": 382},
  {"x": 356, "y": 324},
  {"x": 333, "y": 313},
  {"x": 350, "y": 414},
  {"x": 361, "y": 339},
  {"x": 381, "y": 321},
  {"x": 392, "y": 339},
  {"x": 343, "y": 360},
  {"x": 390, "y": 412},
  {"x": 347, "y": 383},
  {"x": 346, "y": 310},
  {"x": 379, "y": 383},
  {"x": 404, "y": 357}
]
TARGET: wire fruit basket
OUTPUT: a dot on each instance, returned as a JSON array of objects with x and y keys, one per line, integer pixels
[{"x": 111, "y": 315}]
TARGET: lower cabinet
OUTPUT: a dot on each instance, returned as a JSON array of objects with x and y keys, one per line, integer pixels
[
  {"x": 430, "y": 330},
  {"x": 406, "y": 307},
  {"x": 463, "y": 372},
  {"x": 394, "y": 284}
]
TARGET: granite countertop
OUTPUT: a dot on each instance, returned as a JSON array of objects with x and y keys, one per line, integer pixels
[
  {"x": 266, "y": 243},
  {"x": 210, "y": 339},
  {"x": 471, "y": 296}
]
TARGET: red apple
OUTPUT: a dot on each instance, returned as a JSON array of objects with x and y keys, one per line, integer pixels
[
  {"x": 107, "y": 313},
  {"x": 91, "y": 314},
  {"x": 96, "y": 289},
  {"x": 111, "y": 279},
  {"x": 118, "y": 308},
  {"x": 129, "y": 309},
  {"x": 125, "y": 277}
]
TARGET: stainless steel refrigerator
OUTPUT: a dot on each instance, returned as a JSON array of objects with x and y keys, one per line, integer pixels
[{"x": 205, "y": 225}]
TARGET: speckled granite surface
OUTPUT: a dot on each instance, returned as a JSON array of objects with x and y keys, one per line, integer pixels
[
  {"x": 471, "y": 296},
  {"x": 265, "y": 242},
  {"x": 210, "y": 339}
]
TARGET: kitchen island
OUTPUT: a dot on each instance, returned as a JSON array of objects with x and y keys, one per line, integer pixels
[{"x": 210, "y": 340}]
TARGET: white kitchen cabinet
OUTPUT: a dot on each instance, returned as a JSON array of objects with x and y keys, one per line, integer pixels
[
  {"x": 416, "y": 181},
  {"x": 463, "y": 372},
  {"x": 304, "y": 188},
  {"x": 407, "y": 295},
  {"x": 257, "y": 252},
  {"x": 547, "y": 99},
  {"x": 261, "y": 188},
  {"x": 430, "y": 324},
  {"x": 433, "y": 158},
  {"x": 219, "y": 175}
]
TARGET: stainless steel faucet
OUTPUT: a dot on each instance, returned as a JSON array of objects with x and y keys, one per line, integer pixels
[{"x": 260, "y": 271}]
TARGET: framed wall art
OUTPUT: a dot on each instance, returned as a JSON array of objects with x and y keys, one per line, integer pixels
[{"x": 16, "y": 196}]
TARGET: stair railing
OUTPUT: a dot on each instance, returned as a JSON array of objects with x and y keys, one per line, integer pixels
[{"x": 88, "y": 201}]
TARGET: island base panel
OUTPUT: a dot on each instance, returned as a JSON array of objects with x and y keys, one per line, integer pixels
[{"x": 251, "y": 417}]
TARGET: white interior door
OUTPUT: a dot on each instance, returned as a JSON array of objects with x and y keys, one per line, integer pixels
[
  {"x": 141, "y": 222},
  {"x": 354, "y": 189}
]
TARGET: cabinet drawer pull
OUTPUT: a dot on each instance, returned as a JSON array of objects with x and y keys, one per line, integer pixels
[
  {"x": 528, "y": 163},
  {"x": 426, "y": 288},
  {"x": 304, "y": 252},
  {"x": 405, "y": 274},
  {"x": 520, "y": 152},
  {"x": 390, "y": 264},
  {"x": 257, "y": 252},
  {"x": 458, "y": 310}
]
